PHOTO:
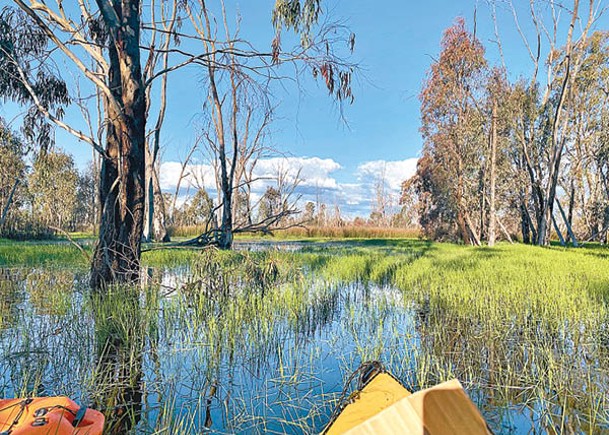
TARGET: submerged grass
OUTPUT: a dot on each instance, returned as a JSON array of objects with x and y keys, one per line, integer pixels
[{"x": 262, "y": 341}]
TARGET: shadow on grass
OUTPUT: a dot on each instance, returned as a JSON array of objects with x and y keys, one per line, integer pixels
[
  {"x": 597, "y": 250},
  {"x": 466, "y": 258}
]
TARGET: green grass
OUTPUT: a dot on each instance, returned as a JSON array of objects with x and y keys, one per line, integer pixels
[
  {"x": 45, "y": 253},
  {"x": 525, "y": 329}
]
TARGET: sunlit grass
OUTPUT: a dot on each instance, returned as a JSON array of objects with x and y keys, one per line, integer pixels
[{"x": 40, "y": 254}]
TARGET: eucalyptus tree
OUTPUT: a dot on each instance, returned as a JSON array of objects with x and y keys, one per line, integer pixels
[
  {"x": 53, "y": 189},
  {"x": 107, "y": 37},
  {"x": 453, "y": 134},
  {"x": 119, "y": 51},
  {"x": 542, "y": 129},
  {"x": 197, "y": 211},
  {"x": 240, "y": 106},
  {"x": 496, "y": 151},
  {"x": 12, "y": 172},
  {"x": 584, "y": 176}
]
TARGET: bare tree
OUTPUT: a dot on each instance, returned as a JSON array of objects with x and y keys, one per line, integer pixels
[
  {"x": 163, "y": 29},
  {"x": 544, "y": 172},
  {"x": 104, "y": 44},
  {"x": 240, "y": 110}
]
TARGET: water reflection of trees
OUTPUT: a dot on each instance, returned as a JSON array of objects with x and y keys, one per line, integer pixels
[
  {"x": 239, "y": 359},
  {"x": 120, "y": 334},
  {"x": 250, "y": 347},
  {"x": 38, "y": 347},
  {"x": 11, "y": 295},
  {"x": 233, "y": 336}
]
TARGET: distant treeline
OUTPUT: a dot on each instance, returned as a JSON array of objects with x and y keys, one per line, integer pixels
[{"x": 44, "y": 194}]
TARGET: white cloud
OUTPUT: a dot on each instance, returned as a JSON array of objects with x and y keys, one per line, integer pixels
[
  {"x": 194, "y": 175},
  {"x": 359, "y": 198},
  {"x": 317, "y": 175},
  {"x": 313, "y": 172},
  {"x": 393, "y": 172},
  {"x": 354, "y": 194}
]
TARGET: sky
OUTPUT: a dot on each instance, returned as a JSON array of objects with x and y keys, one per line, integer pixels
[{"x": 342, "y": 153}]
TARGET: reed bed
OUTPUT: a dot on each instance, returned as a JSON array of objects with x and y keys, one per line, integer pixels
[{"x": 348, "y": 231}]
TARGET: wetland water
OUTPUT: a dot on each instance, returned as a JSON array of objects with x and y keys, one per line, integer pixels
[{"x": 262, "y": 342}]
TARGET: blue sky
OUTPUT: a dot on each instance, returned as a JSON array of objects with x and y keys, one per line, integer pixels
[{"x": 396, "y": 41}]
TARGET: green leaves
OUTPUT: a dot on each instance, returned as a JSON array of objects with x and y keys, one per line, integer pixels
[
  {"x": 296, "y": 15},
  {"x": 26, "y": 74}
]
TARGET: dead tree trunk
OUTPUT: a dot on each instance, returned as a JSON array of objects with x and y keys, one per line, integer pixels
[
  {"x": 159, "y": 223},
  {"x": 561, "y": 239},
  {"x": 493, "y": 175},
  {"x": 568, "y": 225},
  {"x": 9, "y": 201},
  {"x": 122, "y": 188},
  {"x": 155, "y": 228}
]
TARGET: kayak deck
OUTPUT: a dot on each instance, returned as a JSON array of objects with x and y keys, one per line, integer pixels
[
  {"x": 48, "y": 415},
  {"x": 379, "y": 393},
  {"x": 384, "y": 406}
]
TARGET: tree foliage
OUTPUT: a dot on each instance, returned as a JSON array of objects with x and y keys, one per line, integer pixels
[
  {"x": 12, "y": 173},
  {"x": 452, "y": 128},
  {"x": 35, "y": 85},
  {"x": 517, "y": 158},
  {"x": 53, "y": 186},
  {"x": 199, "y": 211}
]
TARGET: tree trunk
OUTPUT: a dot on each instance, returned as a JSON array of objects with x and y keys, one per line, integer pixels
[
  {"x": 525, "y": 222},
  {"x": 225, "y": 240},
  {"x": 547, "y": 210},
  {"x": 561, "y": 239},
  {"x": 568, "y": 224},
  {"x": 149, "y": 207},
  {"x": 483, "y": 200},
  {"x": 226, "y": 229},
  {"x": 159, "y": 223},
  {"x": 122, "y": 189},
  {"x": 505, "y": 231},
  {"x": 491, "y": 205},
  {"x": 463, "y": 228},
  {"x": 603, "y": 236},
  {"x": 155, "y": 229},
  {"x": 9, "y": 201},
  {"x": 571, "y": 207},
  {"x": 474, "y": 239},
  {"x": 465, "y": 236},
  {"x": 95, "y": 201}
]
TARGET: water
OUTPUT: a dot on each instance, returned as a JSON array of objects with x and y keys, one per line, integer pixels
[
  {"x": 170, "y": 358},
  {"x": 277, "y": 381}
]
